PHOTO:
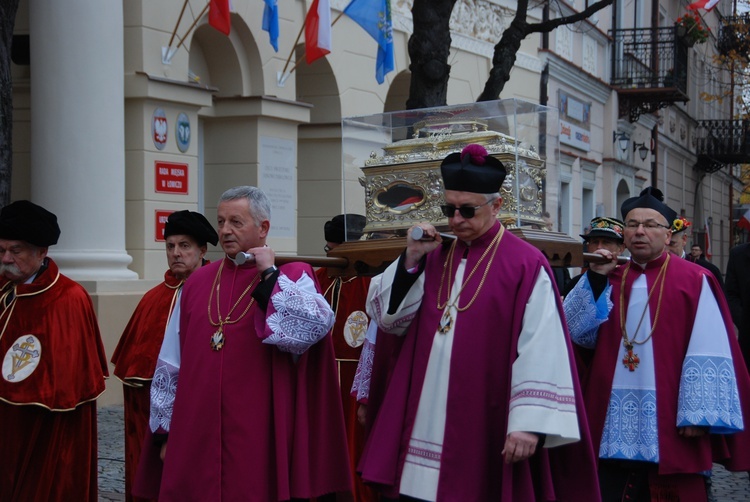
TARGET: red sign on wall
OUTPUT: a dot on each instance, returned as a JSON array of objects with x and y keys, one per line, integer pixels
[
  {"x": 161, "y": 222},
  {"x": 171, "y": 177}
]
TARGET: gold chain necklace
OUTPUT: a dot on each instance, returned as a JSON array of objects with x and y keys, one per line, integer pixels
[
  {"x": 631, "y": 360},
  {"x": 217, "y": 339},
  {"x": 446, "y": 321}
]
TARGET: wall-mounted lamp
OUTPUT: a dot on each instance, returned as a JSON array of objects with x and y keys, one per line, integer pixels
[
  {"x": 642, "y": 150},
  {"x": 623, "y": 140}
]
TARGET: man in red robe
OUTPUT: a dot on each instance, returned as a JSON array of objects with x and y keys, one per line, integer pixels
[
  {"x": 186, "y": 235},
  {"x": 666, "y": 391},
  {"x": 53, "y": 367},
  {"x": 245, "y": 393},
  {"x": 482, "y": 403},
  {"x": 347, "y": 296}
]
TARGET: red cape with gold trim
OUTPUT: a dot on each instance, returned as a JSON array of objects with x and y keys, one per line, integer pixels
[
  {"x": 53, "y": 360},
  {"x": 136, "y": 352}
]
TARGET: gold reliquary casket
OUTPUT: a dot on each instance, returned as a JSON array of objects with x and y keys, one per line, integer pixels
[
  {"x": 391, "y": 170},
  {"x": 404, "y": 186}
]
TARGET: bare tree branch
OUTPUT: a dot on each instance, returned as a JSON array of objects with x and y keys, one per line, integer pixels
[{"x": 547, "y": 26}]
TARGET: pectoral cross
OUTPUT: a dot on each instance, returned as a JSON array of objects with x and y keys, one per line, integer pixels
[{"x": 630, "y": 360}]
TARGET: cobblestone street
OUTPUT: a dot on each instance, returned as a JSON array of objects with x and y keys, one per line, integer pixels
[{"x": 726, "y": 486}]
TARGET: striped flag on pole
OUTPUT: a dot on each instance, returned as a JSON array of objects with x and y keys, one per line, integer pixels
[
  {"x": 218, "y": 15},
  {"x": 318, "y": 30},
  {"x": 706, "y": 5}
]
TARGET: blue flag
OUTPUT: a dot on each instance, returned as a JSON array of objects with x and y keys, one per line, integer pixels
[
  {"x": 374, "y": 16},
  {"x": 271, "y": 22}
]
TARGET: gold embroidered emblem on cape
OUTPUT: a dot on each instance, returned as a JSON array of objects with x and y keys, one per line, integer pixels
[
  {"x": 22, "y": 358},
  {"x": 355, "y": 328}
]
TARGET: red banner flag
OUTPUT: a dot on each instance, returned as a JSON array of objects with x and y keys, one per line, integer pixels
[
  {"x": 218, "y": 15},
  {"x": 744, "y": 222},
  {"x": 706, "y": 5},
  {"x": 318, "y": 30}
]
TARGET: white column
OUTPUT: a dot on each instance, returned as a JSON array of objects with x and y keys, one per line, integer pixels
[{"x": 77, "y": 132}]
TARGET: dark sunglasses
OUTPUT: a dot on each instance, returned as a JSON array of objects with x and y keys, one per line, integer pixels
[{"x": 449, "y": 210}]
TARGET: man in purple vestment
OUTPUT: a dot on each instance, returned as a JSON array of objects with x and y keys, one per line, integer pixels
[
  {"x": 483, "y": 386},
  {"x": 665, "y": 391},
  {"x": 245, "y": 395}
]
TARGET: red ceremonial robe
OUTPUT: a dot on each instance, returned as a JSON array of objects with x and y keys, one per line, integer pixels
[
  {"x": 250, "y": 423},
  {"x": 135, "y": 359},
  {"x": 472, "y": 466},
  {"x": 54, "y": 368},
  {"x": 348, "y": 300},
  {"x": 677, "y": 454}
]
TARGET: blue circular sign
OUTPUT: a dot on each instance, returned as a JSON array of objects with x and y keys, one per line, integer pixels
[{"x": 182, "y": 132}]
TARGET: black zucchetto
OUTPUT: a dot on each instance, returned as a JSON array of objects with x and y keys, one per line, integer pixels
[
  {"x": 649, "y": 198},
  {"x": 472, "y": 170},
  {"x": 25, "y": 221},
  {"x": 193, "y": 224}
]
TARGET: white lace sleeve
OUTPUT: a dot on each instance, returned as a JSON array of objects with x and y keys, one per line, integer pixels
[
  {"x": 709, "y": 395},
  {"x": 299, "y": 316},
  {"x": 584, "y": 315},
  {"x": 164, "y": 383},
  {"x": 361, "y": 385}
]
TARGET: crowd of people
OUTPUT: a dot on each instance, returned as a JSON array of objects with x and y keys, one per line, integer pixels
[{"x": 462, "y": 372}]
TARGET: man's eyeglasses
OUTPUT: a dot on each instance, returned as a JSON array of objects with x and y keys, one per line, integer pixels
[
  {"x": 648, "y": 224},
  {"x": 467, "y": 212}
]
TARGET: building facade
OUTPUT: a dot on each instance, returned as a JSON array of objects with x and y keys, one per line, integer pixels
[{"x": 122, "y": 114}]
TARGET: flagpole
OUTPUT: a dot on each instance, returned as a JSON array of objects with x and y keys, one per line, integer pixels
[
  {"x": 182, "y": 40},
  {"x": 299, "y": 35},
  {"x": 177, "y": 25},
  {"x": 291, "y": 53}
]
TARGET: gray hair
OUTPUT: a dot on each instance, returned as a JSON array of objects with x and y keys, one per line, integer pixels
[
  {"x": 260, "y": 206},
  {"x": 491, "y": 197}
]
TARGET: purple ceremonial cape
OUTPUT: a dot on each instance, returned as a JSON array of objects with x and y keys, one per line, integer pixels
[
  {"x": 671, "y": 337},
  {"x": 249, "y": 422},
  {"x": 484, "y": 348}
]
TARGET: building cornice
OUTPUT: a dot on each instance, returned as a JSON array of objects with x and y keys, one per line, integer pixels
[{"x": 575, "y": 77}]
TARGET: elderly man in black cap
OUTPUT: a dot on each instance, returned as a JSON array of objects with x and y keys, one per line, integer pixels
[
  {"x": 654, "y": 397},
  {"x": 53, "y": 367},
  {"x": 483, "y": 386},
  {"x": 604, "y": 233},
  {"x": 187, "y": 235}
]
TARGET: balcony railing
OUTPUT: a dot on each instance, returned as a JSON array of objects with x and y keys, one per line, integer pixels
[
  {"x": 721, "y": 142},
  {"x": 734, "y": 35},
  {"x": 649, "y": 69}
]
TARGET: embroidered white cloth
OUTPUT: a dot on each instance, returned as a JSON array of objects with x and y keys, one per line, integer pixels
[
  {"x": 361, "y": 384},
  {"x": 164, "y": 383},
  {"x": 302, "y": 316}
]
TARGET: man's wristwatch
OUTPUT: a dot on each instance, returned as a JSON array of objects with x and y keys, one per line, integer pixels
[{"x": 268, "y": 272}]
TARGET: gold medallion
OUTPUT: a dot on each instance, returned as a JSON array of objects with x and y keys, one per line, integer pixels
[
  {"x": 217, "y": 339},
  {"x": 446, "y": 322}
]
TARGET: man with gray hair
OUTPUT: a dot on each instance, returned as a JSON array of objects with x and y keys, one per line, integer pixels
[
  {"x": 245, "y": 392},
  {"x": 482, "y": 401}
]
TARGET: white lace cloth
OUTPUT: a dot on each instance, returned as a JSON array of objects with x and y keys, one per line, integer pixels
[{"x": 302, "y": 316}]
